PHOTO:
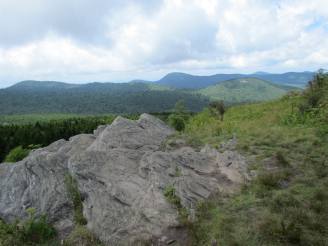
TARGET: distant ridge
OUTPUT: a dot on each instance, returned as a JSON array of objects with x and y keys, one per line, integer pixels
[
  {"x": 188, "y": 81},
  {"x": 185, "y": 81}
]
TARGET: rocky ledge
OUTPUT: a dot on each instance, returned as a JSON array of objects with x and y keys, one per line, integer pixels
[{"x": 123, "y": 173}]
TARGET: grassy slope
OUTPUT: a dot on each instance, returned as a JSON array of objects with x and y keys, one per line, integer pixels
[
  {"x": 244, "y": 90},
  {"x": 284, "y": 206}
]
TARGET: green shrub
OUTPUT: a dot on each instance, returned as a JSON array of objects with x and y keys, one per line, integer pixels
[
  {"x": 177, "y": 122},
  {"x": 17, "y": 154},
  {"x": 316, "y": 93}
]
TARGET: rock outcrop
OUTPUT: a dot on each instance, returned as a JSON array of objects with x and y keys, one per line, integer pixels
[{"x": 122, "y": 172}]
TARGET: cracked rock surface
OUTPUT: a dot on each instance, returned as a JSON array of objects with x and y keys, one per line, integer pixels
[{"x": 122, "y": 172}]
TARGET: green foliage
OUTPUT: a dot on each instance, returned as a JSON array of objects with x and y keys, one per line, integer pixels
[
  {"x": 33, "y": 231},
  {"x": 313, "y": 105},
  {"x": 72, "y": 189},
  {"x": 17, "y": 154}
]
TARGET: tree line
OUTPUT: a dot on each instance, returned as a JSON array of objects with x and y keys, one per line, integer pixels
[{"x": 41, "y": 134}]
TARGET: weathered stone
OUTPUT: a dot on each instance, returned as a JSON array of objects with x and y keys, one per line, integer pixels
[{"x": 122, "y": 173}]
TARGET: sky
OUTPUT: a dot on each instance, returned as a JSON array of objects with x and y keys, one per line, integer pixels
[{"x": 120, "y": 40}]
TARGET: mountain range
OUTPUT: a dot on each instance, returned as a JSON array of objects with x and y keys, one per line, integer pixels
[
  {"x": 144, "y": 96},
  {"x": 183, "y": 80}
]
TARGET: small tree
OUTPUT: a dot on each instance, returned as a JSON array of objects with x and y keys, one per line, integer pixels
[
  {"x": 218, "y": 108},
  {"x": 179, "y": 116}
]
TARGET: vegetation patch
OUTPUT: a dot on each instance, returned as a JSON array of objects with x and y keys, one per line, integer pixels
[
  {"x": 174, "y": 199},
  {"x": 33, "y": 231},
  {"x": 286, "y": 204}
]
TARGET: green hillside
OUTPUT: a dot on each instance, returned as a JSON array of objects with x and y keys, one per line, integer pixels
[
  {"x": 285, "y": 142},
  {"x": 244, "y": 90}
]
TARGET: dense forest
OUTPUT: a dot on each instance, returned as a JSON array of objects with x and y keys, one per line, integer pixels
[
  {"x": 95, "y": 98},
  {"x": 30, "y": 136}
]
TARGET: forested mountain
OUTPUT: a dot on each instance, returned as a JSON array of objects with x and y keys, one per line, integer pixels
[
  {"x": 94, "y": 98},
  {"x": 183, "y": 80},
  {"x": 135, "y": 97},
  {"x": 188, "y": 81}
]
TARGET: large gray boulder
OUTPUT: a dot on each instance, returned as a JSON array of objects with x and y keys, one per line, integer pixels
[{"x": 122, "y": 172}]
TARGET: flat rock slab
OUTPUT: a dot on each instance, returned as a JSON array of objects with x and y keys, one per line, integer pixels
[{"x": 122, "y": 175}]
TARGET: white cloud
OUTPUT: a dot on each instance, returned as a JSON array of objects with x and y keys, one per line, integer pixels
[{"x": 121, "y": 40}]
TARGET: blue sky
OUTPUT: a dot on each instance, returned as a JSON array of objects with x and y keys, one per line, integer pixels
[{"x": 120, "y": 40}]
